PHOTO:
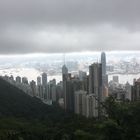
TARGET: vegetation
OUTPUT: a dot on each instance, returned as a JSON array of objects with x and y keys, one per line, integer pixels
[{"x": 26, "y": 118}]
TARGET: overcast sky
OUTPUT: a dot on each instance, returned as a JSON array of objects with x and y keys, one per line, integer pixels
[{"x": 53, "y": 26}]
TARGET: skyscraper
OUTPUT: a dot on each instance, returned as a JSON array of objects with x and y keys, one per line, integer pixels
[
  {"x": 44, "y": 79},
  {"x": 33, "y": 87},
  {"x": 104, "y": 76},
  {"x": 39, "y": 87},
  {"x": 95, "y": 86},
  {"x": 44, "y": 85},
  {"x": 95, "y": 78},
  {"x": 64, "y": 78},
  {"x": 64, "y": 71},
  {"x": 24, "y": 80},
  {"x": 38, "y": 80},
  {"x": 136, "y": 90},
  {"x": 79, "y": 102},
  {"x": 18, "y": 79},
  {"x": 103, "y": 61}
]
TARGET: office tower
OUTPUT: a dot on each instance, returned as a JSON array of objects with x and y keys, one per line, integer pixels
[
  {"x": 38, "y": 80},
  {"x": 79, "y": 102},
  {"x": 11, "y": 78},
  {"x": 44, "y": 79},
  {"x": 33, "y": 88},
  {"x": 104, "y": 76},
  {"x": 59, "y": 90},
  {"x": 103, "y": 61},
  {"x": 82, "y": 75},
  {"x": 116, "y": 79},
  {"x": 51, "y": 90},
  {"x": 136, "y": 90},
  {"x": 64, "y": 73},
  {"x": 24, "y": 80},
  {"x": 128, "y": 91},
  {"x": 64, "y": 78},
  {"x": 39, "y": 88},
  {"x": 95, "y": 87},
  {"x": 68, "y": 93},
  {"x": 70, "y": 85},
  {"x": 92, "y": 106},
  {"x": 95, "y": 78},
  {"x": 85, "y": 84},
  {"x": 18, "y": 79},
  {"x": 85, "y": 104},
  {"x": 53, "y": 93},
  {"x": 44, "y": 85}
]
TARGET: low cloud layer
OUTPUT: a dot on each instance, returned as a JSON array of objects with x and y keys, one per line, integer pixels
[{"x": 57, "y": 26}]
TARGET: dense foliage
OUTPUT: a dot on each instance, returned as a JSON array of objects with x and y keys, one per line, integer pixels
[{"x": 25, "y": 118}]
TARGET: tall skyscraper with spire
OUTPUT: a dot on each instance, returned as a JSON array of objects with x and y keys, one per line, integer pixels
[
  {"x": 64, "y": 79},
  {"x": 104, "y": 75},
  {"x": 103, "y": 61}
]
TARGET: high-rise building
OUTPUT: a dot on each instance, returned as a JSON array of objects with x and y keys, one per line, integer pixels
[
  {"x": 53, "y": 93},
  {"x": 79, "y": 102},
  {"x": 11, "y": 78},
  {"x": 95, "y": 87},
  {"x": 136, "y": 90},
  {"x": 64, "y": 70},
  {"x": 116, "y": 79},
  {"x": 104, "y": 76},
  {"x": 128, "y": 91},
  {"x": 44, "y": 79},
  {"x": 44, "y": 85},
  {"x": 92, "y": 106},
  {"x": 51, "y": 90},
  {"x": 95, "y": 78},
  {"x": 18, "y": 79},
  {"x": 33, "y": 87},
  {"x": 64, "y": 78},
  {"x": 24, "y": 80},
  {"x": 103, "y": 61},
  {"x": 39, "y": 88},
  {"x": 70, "y": 85},
  {"x": 82, "y": 75},
  {"x": 59, "y": 90},
  {"x": 38, "y": 80}
]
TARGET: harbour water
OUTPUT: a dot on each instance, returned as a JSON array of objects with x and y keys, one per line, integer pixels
[{"x": 32, "y": 74}]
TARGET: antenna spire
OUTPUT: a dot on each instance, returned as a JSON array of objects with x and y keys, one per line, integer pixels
[{"x": 64, "y": 58}]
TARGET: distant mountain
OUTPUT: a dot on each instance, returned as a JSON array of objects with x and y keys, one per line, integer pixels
[{"x": 14, "y": 102}]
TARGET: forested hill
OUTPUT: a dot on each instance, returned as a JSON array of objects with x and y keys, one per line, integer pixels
[
  {"x": 25, "y": 118},
  {"x": 14, "y": 102}
]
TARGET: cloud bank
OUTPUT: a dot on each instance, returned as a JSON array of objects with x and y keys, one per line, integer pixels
[{"x": 57, "y": 26}]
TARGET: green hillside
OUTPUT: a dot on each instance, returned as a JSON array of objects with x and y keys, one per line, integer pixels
[
  {"x": 14, "y": 102},
  {"x": 25, "y": 118}
]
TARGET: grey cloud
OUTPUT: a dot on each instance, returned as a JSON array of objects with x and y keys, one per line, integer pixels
[
  {"x": 70, "y": 11},
  {"x": 30, "y": 26},
  {"x": 58, "y": 39}
]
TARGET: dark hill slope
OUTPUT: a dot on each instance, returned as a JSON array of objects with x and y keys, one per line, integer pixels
[{"x": 14, "y": 102}]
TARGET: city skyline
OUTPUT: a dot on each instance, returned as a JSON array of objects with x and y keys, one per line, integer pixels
[
  {"x": 82, "y": 93},
  {"x": 69, "y": 69}
]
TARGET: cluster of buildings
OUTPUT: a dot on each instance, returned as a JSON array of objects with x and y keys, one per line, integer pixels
[
  {"x": 123, "y": 92},
  {"x": 83, "y": 93},
  {"x": 48, "y": 92},
  {"x": 131, "y": 66}
]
